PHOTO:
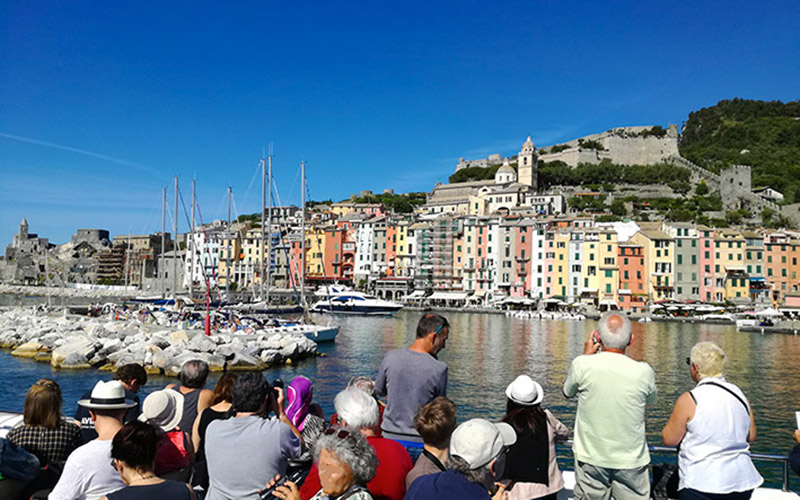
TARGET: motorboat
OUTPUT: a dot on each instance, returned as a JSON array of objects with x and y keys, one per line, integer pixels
[{"x": 339, "y": 299}]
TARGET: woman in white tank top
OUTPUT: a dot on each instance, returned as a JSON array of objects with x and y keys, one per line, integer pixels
[{"x": 713, "y": 424}]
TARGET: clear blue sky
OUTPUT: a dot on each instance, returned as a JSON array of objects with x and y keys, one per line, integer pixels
[{"x": 101, "y": 103}]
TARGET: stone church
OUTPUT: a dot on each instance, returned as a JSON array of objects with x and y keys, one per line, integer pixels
[{"x": 510, "y": 188}]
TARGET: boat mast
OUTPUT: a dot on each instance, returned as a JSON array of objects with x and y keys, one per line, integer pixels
[
  {"x": 228, "y": 254},
  {"x": 190, "y": 245},
  {"x": 303, "y": 235},
  {"x": 263, "y": 240},
  {"x": 269, "y": 228},
  {"x": 160, "y": 269},
  {"x": 175, "y": 244}
]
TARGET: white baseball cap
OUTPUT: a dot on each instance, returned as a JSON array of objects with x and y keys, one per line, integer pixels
[{"x": 479, "y": 441}]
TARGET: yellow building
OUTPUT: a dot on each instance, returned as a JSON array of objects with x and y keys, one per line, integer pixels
[
  {"x": 731, "y": 281},
  {"x": 658, "y": 251},
  {"x": 315, "y": 248},
  {"x": 608, "y": 277},
  {"x": 560, "y": 267}
]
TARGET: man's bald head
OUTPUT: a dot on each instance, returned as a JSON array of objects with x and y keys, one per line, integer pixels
[{"x": 615, "y": 330}]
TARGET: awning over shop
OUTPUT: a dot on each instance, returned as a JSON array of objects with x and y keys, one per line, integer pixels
[
  {"x": 449, "y": 296},
  {"x": 416, "y": 294}
]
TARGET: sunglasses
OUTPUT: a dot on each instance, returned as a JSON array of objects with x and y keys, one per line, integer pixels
[
  {"x": 339, "y": 433},
  {"x": 114, "y": 464},
  {"x": 688, "y": 361},
  {"x": 440, "y": 328}
]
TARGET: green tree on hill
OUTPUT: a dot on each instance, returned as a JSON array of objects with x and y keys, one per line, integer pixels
[{"x": 762, "y": 134}]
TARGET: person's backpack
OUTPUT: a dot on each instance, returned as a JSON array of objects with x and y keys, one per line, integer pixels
[{"x": 17, "y": 463}]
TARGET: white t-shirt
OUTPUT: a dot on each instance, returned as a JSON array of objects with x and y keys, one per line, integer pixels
[{"x": 88, "y": 474}]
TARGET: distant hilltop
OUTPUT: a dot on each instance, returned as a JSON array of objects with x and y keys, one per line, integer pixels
[{"x": 644, "y": 145}]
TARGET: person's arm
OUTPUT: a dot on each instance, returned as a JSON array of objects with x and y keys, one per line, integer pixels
[
  {"x": 70, "y": 485},
  {"x": 682, "y": 413},
  {"x": 192, "y": 495},
  {"x": 283, "y": 418},
  {"x": 570, "y": 388},
  {"x": 196, "y": 432},
  {"x": 652, "y": 398},
  {"x": 380, "y": 380},
  {"x": 751, "y": 435},
  {"x": 187, "y": 441},
  {"x": 794, "y": 456},
  {"x": 442, "y": 385},
  {"x": 204, "y": 400},
  {"x": 560, "y": 431}
]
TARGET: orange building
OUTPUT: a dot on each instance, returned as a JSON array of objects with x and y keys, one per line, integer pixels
[{"x": 632, "y": 289}]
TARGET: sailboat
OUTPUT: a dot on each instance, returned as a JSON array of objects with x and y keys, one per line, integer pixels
[{"x": 317, "y": 333}]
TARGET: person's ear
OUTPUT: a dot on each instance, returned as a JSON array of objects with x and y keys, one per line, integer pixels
[{"x": 630, "y": 340}]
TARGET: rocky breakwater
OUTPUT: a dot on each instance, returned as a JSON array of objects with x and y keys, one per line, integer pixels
[{"x": 76, "y": 342}]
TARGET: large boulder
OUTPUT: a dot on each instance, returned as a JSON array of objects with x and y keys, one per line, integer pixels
[
  {"x": 84, "y": 348},
  {"x": 28, "y": 350}
]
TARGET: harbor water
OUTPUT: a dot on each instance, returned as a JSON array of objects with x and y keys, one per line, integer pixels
[{"x": 487, "y": 351}]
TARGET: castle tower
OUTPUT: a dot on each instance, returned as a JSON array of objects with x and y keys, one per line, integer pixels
[
  {"x": 735, "y": 182},
  {"x": 527, "y": 168},
  {"x": 23, "y": 229}
]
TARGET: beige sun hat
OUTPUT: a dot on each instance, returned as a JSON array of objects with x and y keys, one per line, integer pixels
[{"x": 163, "y": 408}]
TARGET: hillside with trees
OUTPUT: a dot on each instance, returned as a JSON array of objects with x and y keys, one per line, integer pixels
[{"x": 762, "y": 134}]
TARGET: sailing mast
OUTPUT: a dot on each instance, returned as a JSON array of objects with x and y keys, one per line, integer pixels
[
  {"x": 175, "y": 245},
  {"x": 190, "y": 245},
  {"x": 269, "y": 228},
  {"x": 303, "y": 236},
  {"x": 263, "y": 240},
  {"x": 160, "y": 269},
  {"x": 228, "y": 254}
]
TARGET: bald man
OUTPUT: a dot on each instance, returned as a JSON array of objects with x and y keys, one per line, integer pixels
[{"x": 610, "y": 449}]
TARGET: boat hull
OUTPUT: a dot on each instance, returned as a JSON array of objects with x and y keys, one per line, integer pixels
[{"x": 360, "y": 310}]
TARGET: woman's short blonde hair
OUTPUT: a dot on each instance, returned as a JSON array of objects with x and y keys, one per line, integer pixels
[{"x": 709, "y": 359}]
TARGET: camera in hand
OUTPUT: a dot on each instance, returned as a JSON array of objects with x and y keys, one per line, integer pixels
[{"x": 297, "y": 477}]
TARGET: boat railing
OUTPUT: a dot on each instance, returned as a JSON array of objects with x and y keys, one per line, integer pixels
[{"x": 758, "y": 457}]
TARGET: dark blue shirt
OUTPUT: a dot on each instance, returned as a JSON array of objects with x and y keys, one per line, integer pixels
[{"x": 448, "y": 484}]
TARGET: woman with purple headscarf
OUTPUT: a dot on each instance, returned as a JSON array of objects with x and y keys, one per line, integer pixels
[{"x": 307, "y": 417}]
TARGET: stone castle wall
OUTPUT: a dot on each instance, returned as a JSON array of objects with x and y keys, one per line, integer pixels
[{"x": 623, "y": 146}]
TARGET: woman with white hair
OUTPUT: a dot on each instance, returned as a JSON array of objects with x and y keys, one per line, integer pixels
[
  {"x": 713, "y": 424},
  {"x": 346, "y": 464},
  {"x": 359, "y": 414}
]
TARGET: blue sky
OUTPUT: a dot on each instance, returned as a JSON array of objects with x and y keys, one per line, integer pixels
[{"x": 104, "y": 102}]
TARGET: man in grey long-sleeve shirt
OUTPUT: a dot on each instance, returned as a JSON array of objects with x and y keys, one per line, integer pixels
[{"x": 411, "y": 378}]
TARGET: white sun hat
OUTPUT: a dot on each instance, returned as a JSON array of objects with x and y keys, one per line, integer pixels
[
  {"x": 163, "y": 408},
  {"x": 479, "y": 441},
  {"x": 107, "y": 396},
  {"x": 524, "y": 391}
]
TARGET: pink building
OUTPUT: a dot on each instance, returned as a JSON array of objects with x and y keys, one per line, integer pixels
[
  {"x": 523, "y": 250},
  {"x": 707, "y": 286}
]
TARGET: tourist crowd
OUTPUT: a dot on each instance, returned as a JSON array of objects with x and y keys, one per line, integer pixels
[{"x": 251, "y": 439}]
